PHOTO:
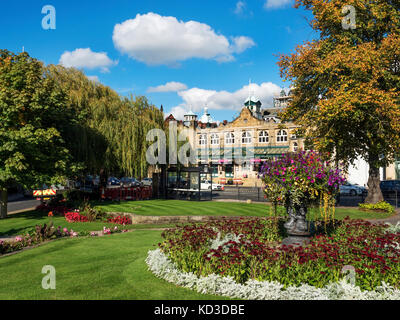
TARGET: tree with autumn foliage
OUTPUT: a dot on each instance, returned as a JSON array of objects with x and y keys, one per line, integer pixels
[{"x": 346, "y": 96}]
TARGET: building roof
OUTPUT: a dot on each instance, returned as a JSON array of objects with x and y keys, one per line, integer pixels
[
  {"x": 206, "y": 117},
  {"x": 190, "y": 113}
]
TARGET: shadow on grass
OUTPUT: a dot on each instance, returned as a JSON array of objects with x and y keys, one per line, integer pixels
[{"x": 37, "y": 216}]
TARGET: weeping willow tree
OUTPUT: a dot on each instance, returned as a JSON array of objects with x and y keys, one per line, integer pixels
[
  {"x": 137, "y": 118},
  {"x": 110, "y": 131}
]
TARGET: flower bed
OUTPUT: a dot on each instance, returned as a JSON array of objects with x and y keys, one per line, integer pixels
[
  {"x": 124, "y": 220},
  {"x": 381, "y": 206},
  {"x": 75, "y": 217},
  {"x": 36, "y": 236},
  {"x": 248, "y": 250},
  {"x": 164, "y": 268},
  {"x": 86, "y": 213}
]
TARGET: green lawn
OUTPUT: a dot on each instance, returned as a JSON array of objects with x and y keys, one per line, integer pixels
[
  {"x": 18, "y": 224},
  {"x": 214, "y": 208},
  {"x": 109, "y": 267}
]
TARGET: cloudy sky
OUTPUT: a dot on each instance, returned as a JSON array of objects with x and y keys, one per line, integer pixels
[{"x": 181, "y": 54}]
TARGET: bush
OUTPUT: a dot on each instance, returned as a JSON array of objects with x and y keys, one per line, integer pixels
[
  {"x": 78, "y": 196},
  {"x": 75, "y": 216},
  {"x": 36, "y": 235},
  {"x": 92, "y": 213},
  {"x": 124, "y": 220},
  {"x": 380, "y": 206},
  {"x": 248, "y": 250}
]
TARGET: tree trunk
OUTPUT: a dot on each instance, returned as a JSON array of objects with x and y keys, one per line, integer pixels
[
  {"x": 374, "y": 189},
  {"x": 3, "y": 203}
]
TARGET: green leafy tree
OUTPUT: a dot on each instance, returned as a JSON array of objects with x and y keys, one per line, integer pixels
[
  {"x": 32, "y": 150},
  {"x": 346, "y": 94},
  {"x": 110, "y": 133}
]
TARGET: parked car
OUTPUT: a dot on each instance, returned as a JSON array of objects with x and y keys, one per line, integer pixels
[
  {"x": 129, "y": 182},
  {"x": 390, "y": 185},
  {"x": 207, "y": 185},
  {"x": 352, "y": 189},
  {"x": 112, "y": 181},
  {"x": 147, "y": 181}
]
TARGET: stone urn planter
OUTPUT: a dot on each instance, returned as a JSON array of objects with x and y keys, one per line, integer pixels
[{"x": 297, "y": 227}]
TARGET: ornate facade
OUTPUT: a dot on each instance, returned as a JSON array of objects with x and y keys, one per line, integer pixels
[{"x": 235, "y": 150}]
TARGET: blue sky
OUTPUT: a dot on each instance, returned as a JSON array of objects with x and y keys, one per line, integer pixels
[{"x": 181, "y": 54}]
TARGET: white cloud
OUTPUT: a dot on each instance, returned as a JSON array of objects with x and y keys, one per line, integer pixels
[
  {"x": 86, "y": 58},
  {"x": 273, "y": 4},
  {"x": 168, "y": 87},
  {"x": 155, "y": 40},
  {"x": 241, "y": 44},
  {"x": 178, "y": 112},
  {"x": 196, "y": 98},
  {"x": 93, "y": 78},
  {"x": 240, "y": 6}
]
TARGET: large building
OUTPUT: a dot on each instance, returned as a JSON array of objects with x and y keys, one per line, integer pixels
[{"x": 235, "y": 150}]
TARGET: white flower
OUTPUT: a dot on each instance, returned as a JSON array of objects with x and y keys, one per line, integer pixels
[{"x": 162, "y": 267}]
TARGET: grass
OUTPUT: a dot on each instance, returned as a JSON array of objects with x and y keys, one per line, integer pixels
[
  {"x": 109, "y": 267},
  {"x": 214, "y": 208},
  {"x": 20, "y": 223}
]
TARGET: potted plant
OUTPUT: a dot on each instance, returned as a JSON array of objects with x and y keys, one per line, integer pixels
[{"x": 299, "y": 180}]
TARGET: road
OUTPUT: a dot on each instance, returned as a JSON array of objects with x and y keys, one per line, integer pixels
[{"x": 22, "y": 204}]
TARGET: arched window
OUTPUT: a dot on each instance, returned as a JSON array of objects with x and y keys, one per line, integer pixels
[
  {"x": 246, "y": 137},
  {"x": 203, "y": 139},
  {"x": 282, "y": 136},
  {"x": 295, "y": 146},
  {"x": 229, "y": 138},
  {"x": 263, "y": 137},
  {"x": 214, "y": 139}
]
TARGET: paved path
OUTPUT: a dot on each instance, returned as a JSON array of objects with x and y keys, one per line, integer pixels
[
  {"x": 393, "y": 220},
  {"x": 22, "y": 205}
]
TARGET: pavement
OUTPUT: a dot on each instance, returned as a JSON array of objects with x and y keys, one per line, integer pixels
[
  {"x": 18, "y": 203},
  {"x": 392, "y": 220}
]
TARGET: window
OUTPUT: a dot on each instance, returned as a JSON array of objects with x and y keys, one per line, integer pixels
[
  {"x": 214, "y": 139},
  {"x": 295, "y": 146},
  {"x": 263, "y": 137},
  {"x": 203, "y": 139},
  {"x": 229, "y": 138},
  {"x": 246, "y": 137},
  {"x": 282, "y": 136}
]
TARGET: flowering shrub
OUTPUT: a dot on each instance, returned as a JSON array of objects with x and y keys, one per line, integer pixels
[
  {"x": 302, "y": 175},
  {"x": 124, "y": 220},
  {"x": 380, "y": 206},
  {"x": 254, "y": 254},
  {"x": 75, "y": 216},
  {"x": 46, "y": 208},
  {"x": 37, "y": 235}
]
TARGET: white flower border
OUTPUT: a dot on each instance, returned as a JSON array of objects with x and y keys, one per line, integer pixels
[{"x": 163, "y": 268}]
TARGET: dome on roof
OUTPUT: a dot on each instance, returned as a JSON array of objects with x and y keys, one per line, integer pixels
[
  {"x": 190, "y": 113},
  {"x": 252, "y": 98},
  {"x": 206, "y": 118}
]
